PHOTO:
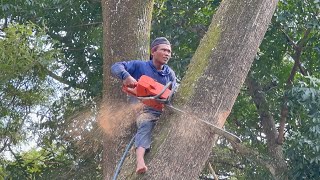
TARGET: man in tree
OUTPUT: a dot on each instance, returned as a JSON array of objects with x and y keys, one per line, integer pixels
[{"x": 129, "y": 72}]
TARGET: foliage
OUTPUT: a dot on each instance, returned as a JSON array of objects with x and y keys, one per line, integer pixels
[
  {"x": 50, "y": 163},
  {"x": 79, "y": 37},
  {"x": 303, "y": 147},
  {"x": 23, "y": 85}
]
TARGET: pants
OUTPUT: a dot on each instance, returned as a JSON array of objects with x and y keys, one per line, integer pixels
[{"x": 145, "y": 124}]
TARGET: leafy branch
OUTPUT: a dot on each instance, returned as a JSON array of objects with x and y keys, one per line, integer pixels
[
  {"x": 58, "y": 78},
  {"x": 298, "y": 47}
]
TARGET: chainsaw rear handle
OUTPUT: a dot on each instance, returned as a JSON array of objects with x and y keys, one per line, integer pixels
[{"x": 129, "y": 90}]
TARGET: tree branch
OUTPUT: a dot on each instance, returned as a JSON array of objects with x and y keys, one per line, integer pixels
[
  {"x": 213, "y": 172},
  {"x": 302, "y": 70},
  {"x": 277, "y": 163},
  {"x": 267, "y": 121},
  {"x": 58, "y": 78},
  {"x": 303, "y": 42},
  {"x": 238, "y": 166},
  {"x": 270, "y": 86},
  {"x": 249, "y": 153},
  {"x": 5, "y": 144},
  {"x": 297, "y": 64},
  {"x": 290, "y": 41},
  {"x": 19, "y": 164},
  {"x": 88, "y": 24}
]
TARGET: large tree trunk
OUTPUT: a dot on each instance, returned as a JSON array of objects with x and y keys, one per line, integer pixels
[
  {"x": 209, "y": 89},
  {"x": 126, "y": 36}
]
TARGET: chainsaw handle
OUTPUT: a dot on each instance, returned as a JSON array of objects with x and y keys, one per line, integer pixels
[{"x": 132, "y": 91}]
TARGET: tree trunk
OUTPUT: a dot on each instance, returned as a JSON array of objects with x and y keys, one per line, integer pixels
[
  {"x": 182, "y": 144},
  {"x": 126, "y": 36}
]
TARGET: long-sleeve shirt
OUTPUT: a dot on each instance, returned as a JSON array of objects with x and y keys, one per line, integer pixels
[{"x": 137, "y": 68}]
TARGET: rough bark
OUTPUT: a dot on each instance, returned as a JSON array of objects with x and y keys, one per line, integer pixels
[
  {"x": 126, "y": 36},
  {"x": 208, "y": 90}
]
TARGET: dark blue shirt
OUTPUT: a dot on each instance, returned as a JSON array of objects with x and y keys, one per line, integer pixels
[{"x": 137, "y": 68}]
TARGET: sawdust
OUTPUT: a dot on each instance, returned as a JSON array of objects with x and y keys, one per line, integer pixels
[
  {"x": 88, "y": 127},
  {"x": 112, "y": 119},
  {"x": 82, "y": 131}
]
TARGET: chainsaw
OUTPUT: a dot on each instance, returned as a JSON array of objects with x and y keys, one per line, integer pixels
[{"x": 157, "y": 96}]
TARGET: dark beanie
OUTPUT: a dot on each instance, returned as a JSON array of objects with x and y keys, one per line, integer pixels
[{"x": 159, "y": 40}]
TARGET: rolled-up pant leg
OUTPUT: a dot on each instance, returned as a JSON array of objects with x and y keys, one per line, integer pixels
[{"x": 145, "y": 125}]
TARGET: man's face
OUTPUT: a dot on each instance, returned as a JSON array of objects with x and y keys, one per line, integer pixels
[{"x": 162, "y": 54}]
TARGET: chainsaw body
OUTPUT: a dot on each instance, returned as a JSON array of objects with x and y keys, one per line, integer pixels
[{"x": 150, "y": 92}]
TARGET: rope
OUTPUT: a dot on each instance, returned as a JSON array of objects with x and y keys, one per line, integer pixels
[{"x": 123, "y": 158}]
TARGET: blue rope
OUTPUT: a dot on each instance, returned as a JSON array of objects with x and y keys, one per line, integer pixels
[{"x": 123, "y": 158}]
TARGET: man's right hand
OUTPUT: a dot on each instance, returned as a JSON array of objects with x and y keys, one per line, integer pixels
[{"x": 130, "y": 82}]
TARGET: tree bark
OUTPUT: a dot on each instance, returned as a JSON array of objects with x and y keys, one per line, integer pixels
[
  {"x": 126, "y": 36},
  {"x": 209, "y": 89}
]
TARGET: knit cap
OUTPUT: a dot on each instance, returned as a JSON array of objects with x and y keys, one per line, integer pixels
[{"x": 159, "y": 40}]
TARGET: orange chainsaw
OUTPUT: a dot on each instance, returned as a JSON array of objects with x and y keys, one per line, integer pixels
[
  {"x": 156, "y": 95},
  {"x": 150, "y": 92}
]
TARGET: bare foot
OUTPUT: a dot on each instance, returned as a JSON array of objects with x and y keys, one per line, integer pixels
[{"x": 141, "y": 168}]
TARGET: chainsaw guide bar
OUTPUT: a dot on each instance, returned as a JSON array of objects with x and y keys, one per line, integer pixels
[{"x": 228, "y": 135}]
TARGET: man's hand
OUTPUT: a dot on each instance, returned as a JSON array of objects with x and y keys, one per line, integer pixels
[{"x": 130, "y": 82}]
